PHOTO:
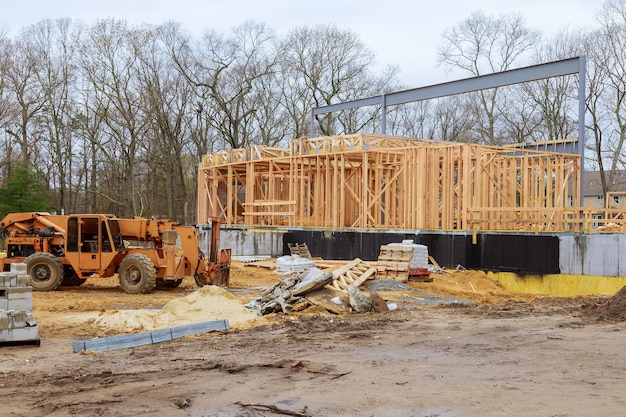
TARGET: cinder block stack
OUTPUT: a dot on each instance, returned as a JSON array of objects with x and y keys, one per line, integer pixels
[{"x": 17, "y": 324}]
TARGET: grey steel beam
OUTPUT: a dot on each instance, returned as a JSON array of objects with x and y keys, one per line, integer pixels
[
  {"x": 483, "y": 82},
  {"x": 582, "y": 96},
  {"x": 370, "y": 101}
]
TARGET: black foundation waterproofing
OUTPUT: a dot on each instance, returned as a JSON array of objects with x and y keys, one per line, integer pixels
[{"x": 524, "y": 254}]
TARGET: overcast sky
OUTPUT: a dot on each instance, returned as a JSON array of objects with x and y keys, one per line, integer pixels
[{"x": 400, "y": 32}]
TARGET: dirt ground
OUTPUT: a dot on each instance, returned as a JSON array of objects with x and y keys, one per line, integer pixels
[{"x": 458, "y": 346}]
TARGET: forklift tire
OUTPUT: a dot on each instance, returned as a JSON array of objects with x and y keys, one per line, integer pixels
[
  {"x": 137, "y": 274},
  {"x": 45, "y": 270}
]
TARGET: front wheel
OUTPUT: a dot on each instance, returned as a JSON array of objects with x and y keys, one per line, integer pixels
[
  {"x": 45, "y": 270},
  {"x": 137, "y": 274}
]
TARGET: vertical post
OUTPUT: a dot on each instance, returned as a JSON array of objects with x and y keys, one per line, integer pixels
[
  {"x": 582, "y": 95},
  {"x": 312, "y": 124},
  {"x": 202, "y": 193},
  {"x": 384, "y": 116}
]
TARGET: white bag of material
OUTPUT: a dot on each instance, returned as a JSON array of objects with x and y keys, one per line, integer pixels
[{"x": 290, "y": 264}]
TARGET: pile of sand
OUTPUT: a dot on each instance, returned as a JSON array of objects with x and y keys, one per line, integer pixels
[{"x": 206, "y": 304}]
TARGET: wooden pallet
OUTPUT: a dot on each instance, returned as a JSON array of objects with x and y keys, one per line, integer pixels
[
  {"x": 394, "y": 262},
  {"x": 300, "y": 249},
  {"x": 353, "y": 273}
]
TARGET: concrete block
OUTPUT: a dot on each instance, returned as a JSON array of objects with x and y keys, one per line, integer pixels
[
  {"x": 23, "y": 280},
  {"x": 4, "y": 319},
  {"x": 18, "y": 269},
  {"x": 28, "y": 319},
  {"x": 26, "y": 334},
  {"x": 8, "y": 280},
  {"x": 16, "y": 319},
  {"x": 20, "y": 305},
  {"x": 20, "y": 298},
  {"x": 16, "y": 298}
]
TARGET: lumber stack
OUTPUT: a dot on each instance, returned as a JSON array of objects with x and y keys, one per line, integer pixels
[
  {"x": 394, "y": 262},
  {"x": 17, "y": 324}
]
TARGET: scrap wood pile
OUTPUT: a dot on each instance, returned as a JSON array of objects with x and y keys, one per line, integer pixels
[{"x": 334, "y": 289}]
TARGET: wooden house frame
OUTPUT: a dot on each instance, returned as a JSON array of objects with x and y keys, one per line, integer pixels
[{"x": 365, "y": 181}]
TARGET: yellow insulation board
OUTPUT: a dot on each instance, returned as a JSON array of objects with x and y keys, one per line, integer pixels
[{"x": 559, "y": 285}]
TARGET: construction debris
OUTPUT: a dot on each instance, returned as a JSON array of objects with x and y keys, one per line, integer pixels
[
  {"x": 359, "y": 301},
  {"x": 334, "y": 290},
  {"x": 288, "y": 293}
]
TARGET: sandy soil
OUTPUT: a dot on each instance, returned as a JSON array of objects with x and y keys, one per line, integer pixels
[{"x": 457, "y": 346}]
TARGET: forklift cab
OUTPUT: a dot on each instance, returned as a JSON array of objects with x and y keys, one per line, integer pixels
[{"x": 88, "y": 240}]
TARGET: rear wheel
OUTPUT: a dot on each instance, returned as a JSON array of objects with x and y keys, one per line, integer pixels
[
  {"x": 136, "y": 274},
  {"x": 45, "y": 270}
]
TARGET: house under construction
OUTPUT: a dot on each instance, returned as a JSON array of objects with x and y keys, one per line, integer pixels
[
  {"x": 366, "y": 181},
  {"x": 511, "y": 209}
]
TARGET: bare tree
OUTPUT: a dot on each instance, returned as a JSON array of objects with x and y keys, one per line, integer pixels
[
  {"x": 226, "y": 71},
  {"x": 412, "y": 120},
  {"x": 484, "y": 44},
  {"x": 452, "y": 121},
  {"x": 53, "y": 46},
  {"x": 547, "y": 109},
  {"x": 326, "y": 65},
  {"x": 168, "y": 98},
  {"x": 109, "y": 60},
  {"x": 6, "y": 105},
  {"x": 25, "y": 92},
  {"x": 198, "y": 124},
  {"x": 606, "y": 103}
]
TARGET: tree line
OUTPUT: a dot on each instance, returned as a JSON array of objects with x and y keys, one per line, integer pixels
[{"x": 115, "y": 118}]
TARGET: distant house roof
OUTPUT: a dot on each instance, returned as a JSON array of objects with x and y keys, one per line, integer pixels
[{"x": 593, "y": 183}]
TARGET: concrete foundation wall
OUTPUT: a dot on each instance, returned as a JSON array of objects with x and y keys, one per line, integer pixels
[
  {"x": 593, "y": 255},
  {"x": 246, "y": 242},
  {"x": 598, "y": 254}
]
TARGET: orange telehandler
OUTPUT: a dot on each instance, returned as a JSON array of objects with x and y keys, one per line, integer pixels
[{"x": 145, "y": 253}]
